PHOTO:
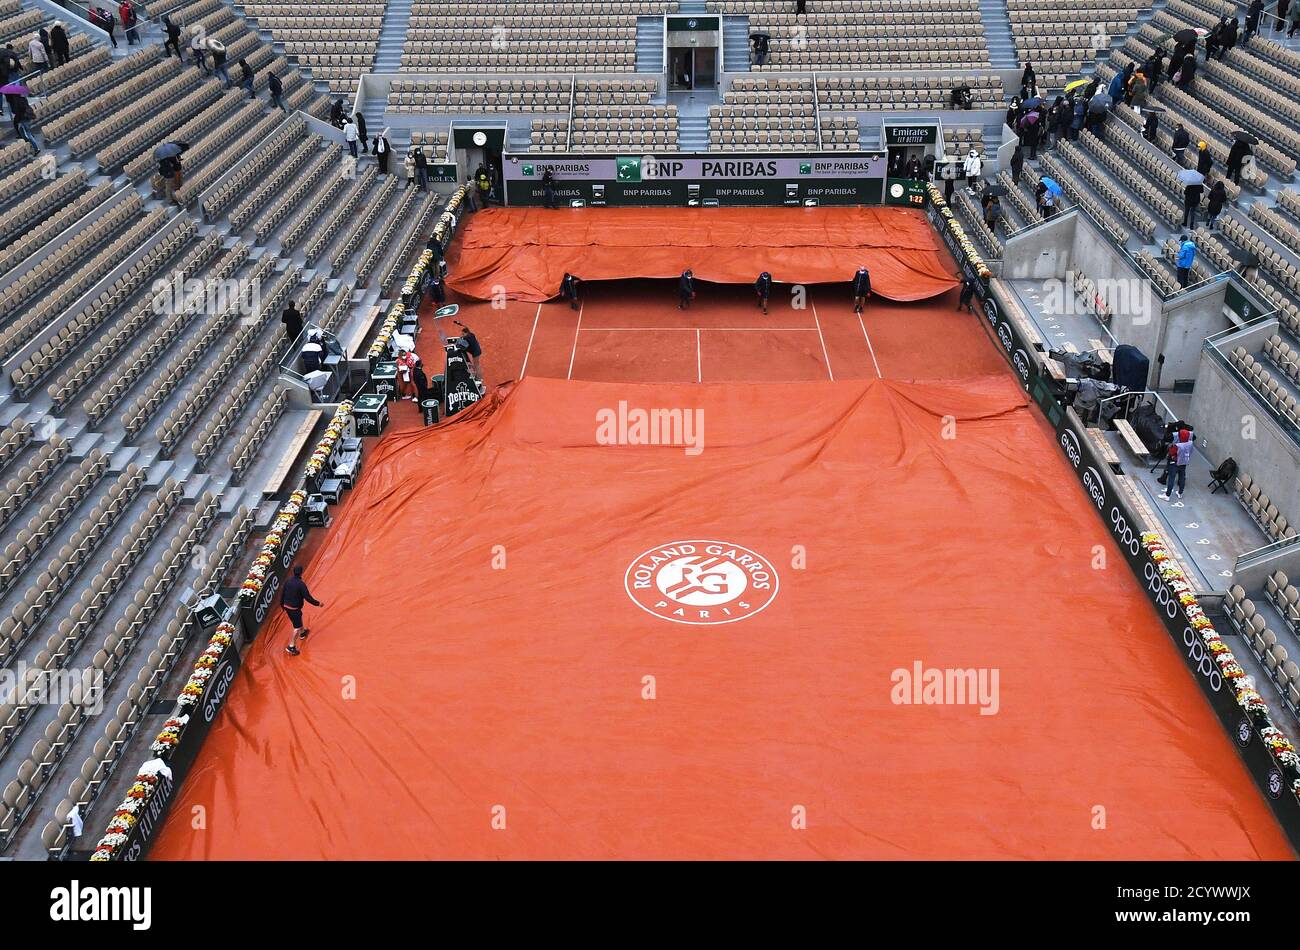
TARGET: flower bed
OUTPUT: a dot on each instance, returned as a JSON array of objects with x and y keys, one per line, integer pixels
[
  {"x": 127, "y": 814},
  {"x": 1242, "y": 685},
  {"x": 333, "y": 432},
  {"x": 263, "y": 563},
  {"x": 192, "y": 691},
  {"x": 958, "y": 233},
  {"x": 379, "y": 348}
]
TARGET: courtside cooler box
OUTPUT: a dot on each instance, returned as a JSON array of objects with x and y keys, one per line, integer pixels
[
  {"x": 383, "y": 379},
  {"x": 371, "y": 413}
]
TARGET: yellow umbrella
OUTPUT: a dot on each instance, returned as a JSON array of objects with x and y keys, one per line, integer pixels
[{"x": 1077, "y": 84}]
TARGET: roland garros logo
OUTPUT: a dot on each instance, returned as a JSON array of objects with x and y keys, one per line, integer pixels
[{"x": 701, "y": 582}]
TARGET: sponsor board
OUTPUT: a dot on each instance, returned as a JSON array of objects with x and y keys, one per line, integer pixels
[{"x": 253, "y": 613}]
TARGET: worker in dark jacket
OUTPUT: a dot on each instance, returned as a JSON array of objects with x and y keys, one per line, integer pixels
[
  {"x": 361, "y": 132},
  {"x": 1187, "y": 71},
  {"x": 292, "y": 321},
  {"x": 173, "y": 38},
  {"x": 1154, "y": 69},
  {"x": 1252, "y": 17},
  {"x": 246, "y": 77},
  {"x": 1181, "y": 140},
  {"x": 1218, "y": 198},
  {"x": 1204, "y": 160},
  {"x": 763, "y": 287},
  {"x": 861, "y": 288},
  {"x": 276, "y": 89},
  {"x": 59, "y": 43},
  {"x": 292, "y": 598},
  {"x": 569, "y": 289},
  {"x": 685, "y": 289},
  {"x": 1236, "y": 157}
]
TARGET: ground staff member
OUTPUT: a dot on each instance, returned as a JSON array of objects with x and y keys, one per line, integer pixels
[{"x": 292, "y": 597}]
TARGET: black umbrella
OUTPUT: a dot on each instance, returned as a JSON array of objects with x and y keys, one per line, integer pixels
[
  {"x": 1243, "y": 257},
  {"x": 1243, "y": 136},
  {"x": 760, "y": 36},
  {"x": 996, "y": 191},
  {"x": 170, "y": 149},
  {"x": 1033, "y": 103},
  {"x": 1186, "y": 37},
  {"x": 1100, "y": 103},
  {"x": 1147, "y": 110}
]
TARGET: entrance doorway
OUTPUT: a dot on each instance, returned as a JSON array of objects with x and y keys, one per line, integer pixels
[{"x": 692, "y": 67}]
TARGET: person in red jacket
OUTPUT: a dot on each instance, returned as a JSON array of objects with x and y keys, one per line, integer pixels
[{"x": 129, "y": 22}]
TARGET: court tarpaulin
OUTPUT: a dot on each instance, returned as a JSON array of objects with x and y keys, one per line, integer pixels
[
  {"x": 598, "y": 620},
  {"x": 525, "y": 252}
]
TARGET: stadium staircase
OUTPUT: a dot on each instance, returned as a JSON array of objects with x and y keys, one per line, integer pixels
[
  {"x": 267, "y": 37},
  {"x": 649, "y": 44},
  {"x": 693, "y": 133},
  {"x": 997, "y": 33},
  {"x": 392, "y": 36},
  {"x": 735, "y": 44}
]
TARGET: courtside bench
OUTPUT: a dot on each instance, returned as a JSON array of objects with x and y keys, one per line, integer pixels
[{"x": 300, "y": 425}]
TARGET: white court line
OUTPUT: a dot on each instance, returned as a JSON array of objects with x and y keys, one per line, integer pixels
[
  {"x": 523, "y": 369},
  {"x": 826, "y": 355},
  {"x": 699, "y": 366},
  {"x": 869, "y": 346},
  {"x": 576, "y": 330}
]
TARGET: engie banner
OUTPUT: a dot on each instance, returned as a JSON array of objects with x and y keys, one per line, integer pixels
[{"x": 254, "y": 611}]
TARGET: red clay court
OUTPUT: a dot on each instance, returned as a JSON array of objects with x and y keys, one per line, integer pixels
[{"x": 481, "y": 659}]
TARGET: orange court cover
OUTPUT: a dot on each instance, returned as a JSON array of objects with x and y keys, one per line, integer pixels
[
  {"x": 527, "y": 251},
  {"x": 512, "y": 662}
]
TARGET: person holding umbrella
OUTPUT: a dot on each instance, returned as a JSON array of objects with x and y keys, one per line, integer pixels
[
  {"x": 760, "y": 43},
  {"x": 169, "y": 167},
  {"x": 763, "y": 288},
  {"x": 861, "y": 288},
  {"x": 1242, "y": 141},
  {"x": 1193, "y": 188},
  {"x": 59, "y": 43},
  {"x": 1051, "y": 195}
]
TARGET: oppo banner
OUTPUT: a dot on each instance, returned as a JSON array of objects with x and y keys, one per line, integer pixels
[
  {"x": 695, "y": 180},
  {"x": 1100, "y": 486}
]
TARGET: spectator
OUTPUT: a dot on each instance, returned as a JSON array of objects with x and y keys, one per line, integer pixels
[
  {"x": 246, "y": 77},
  {"x": 1138, "y": 90},
  {"x": 1029, "y": 132},
  {"x": 685, "y": 289},
  {"x": 1204, "y": 160},
  {"x": 1282, "y": 6},
  {"x": 1013, "y": 113},
  {"x": 1191, "y": 202},
  {"x": 861, "y": 288},
  {"x": 1218, "y": 198},
  {"x": 973, "y": 166},
  {"x": 570, "y": 290},
  {"x": 292, "y": 598},
  {"x": 36, "y": 50},
  {"x": 1151, "y": 127},
  {"x": 1213, "y": 40},
  {"x": 1253, "y": 13},
  {"x": 992, "y": 214},
  {"x": 173, "y": 44},
  {"x": 1181, "y": 140},
  {"x": 1080, "y": 115},
  {"x": 1064, "y": 118},
  {"x": 59, "y": 43},
  {"x": 170, "y": 170},
  {"x": 1119, "y": 83},
  {"x": 1187, "y": 71},
  {"x": 129, "y": 22},
  {"x": 107, "y": 21},
  {"x": 1180, "y": 454},
  {"x": 1028, "y": 82},
  {"x": 1017, "y": 164},
  {"x": 336, "y": 113},
  {"x": 276, "y": 89},
  {"x": 197, "y": 46},
  {"x": 1228, "y": 36},
  {"x": 350, "y": 135},
  {"x": 382, "y": 152},
  {"x": 218, "y": 51},
  {"x": 763, "y": 289},
  {"x": 1186, "y": 257},
  {"x": 914, "y": 168},
  {"x": 21, "y": 117},
  {"x": 360, "y": 121},
  {"x": 409, "y": 164},
  {"x": 10, "y": 63},
  {"x": 422, "y": 169},
  {"x": 1293, "y": 21},
  {"x": 1154, "y": 68},
  {"x": 292, "y": 321},
  {"x": 1237, "y": 156}
]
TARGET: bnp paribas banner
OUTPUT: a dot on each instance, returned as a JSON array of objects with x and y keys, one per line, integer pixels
[{"x": 705, "y": 180}]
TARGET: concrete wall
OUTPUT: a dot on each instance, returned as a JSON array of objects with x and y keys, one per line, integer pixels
[
  {"x": 1237, "y": 423},
  {"x": 1042, "y": 252},
  {"x": 1188, "y": 319}
]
